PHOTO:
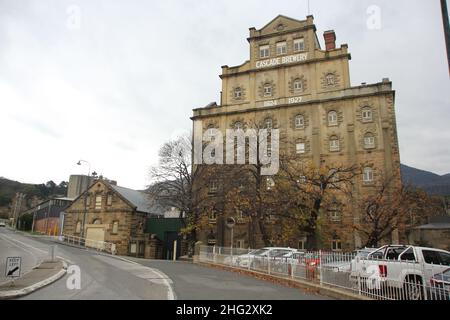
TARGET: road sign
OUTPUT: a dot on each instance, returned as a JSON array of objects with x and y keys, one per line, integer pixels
[
  {"x": 230, "y": 222},
  {"x": 13, "y": 266}
]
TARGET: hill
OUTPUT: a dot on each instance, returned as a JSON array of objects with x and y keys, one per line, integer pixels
[{"x": 431, "y": 182}]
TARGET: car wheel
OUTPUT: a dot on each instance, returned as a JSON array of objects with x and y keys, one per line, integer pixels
[{"x": 413, "y": 289}]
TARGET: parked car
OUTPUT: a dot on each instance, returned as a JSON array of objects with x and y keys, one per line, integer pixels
[
  {"x": 259, "y": 257},
  {"x": 403, "y": 267}
]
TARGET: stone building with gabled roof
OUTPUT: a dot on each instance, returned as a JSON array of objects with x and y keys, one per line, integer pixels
[{"x": 107, "y": 212}]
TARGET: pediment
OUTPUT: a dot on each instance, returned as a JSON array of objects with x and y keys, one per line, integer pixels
[{"x": 282, "y": 23}]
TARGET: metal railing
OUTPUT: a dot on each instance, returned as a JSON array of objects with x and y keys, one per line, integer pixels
[
  {"x": 108, "y": 247},
  {"x": 338, "y": 270}
]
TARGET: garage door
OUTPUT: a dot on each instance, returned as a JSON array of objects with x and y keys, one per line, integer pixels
[{"x": 94, "y": 236}]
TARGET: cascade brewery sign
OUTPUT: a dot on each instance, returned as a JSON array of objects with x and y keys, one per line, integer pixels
[{"x": 281, "y": 60}]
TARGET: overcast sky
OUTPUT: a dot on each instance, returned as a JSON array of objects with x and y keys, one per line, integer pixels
[{"x": 109, "y": 81}]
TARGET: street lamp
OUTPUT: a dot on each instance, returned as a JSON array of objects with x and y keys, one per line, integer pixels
[{"x": 85, "y": 197}]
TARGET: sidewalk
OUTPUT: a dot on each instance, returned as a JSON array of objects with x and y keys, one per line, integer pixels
[{"x": 41, "y": 276}]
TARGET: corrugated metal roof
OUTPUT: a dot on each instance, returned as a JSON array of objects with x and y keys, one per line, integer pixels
[
  {"x": 435, "y": 226},
  {"x": 137, "y": 198}
]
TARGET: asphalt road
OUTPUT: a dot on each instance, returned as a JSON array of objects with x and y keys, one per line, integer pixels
[{"x": 111, "y": 278}]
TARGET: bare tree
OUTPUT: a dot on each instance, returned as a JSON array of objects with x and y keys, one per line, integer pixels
[
  {"x": 174, "y": 183},
  {"x": 390, "y": 206},
  {"x": 308, "y": 189}
]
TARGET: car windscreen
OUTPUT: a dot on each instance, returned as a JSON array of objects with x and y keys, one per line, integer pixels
[{"x": 259, "y": 252}]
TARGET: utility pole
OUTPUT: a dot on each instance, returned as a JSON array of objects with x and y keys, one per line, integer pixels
[{"x": 446, "y": 30}]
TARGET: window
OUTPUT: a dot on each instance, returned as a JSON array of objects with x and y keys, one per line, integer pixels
[
  {"x": 367, "y": 114},
  {"x": 336, "y": 245},
  {"x": 267, "y": 90},
  {"x": 264, "y": 51},
  {"x": 281, "y": 48},
  {"x": 238, "y": 93},
  {"x": 330, "y": 79},
  {"x": 97, "y": 221},
  {"x": 88, "y": 200},
  {"x": 334, "y": 144},
  {"x": 334, "y": 212},
  {"x": 109, "y": 199},
  {"x": 301, "y": 244},
  {"x": 268, "y": 123},
  {"x": 408, "y": 255},
  {"x": 369, "y": 141},
  {"x": 332, "y": 118},
  {"x": 212, "y": 216},
  {"x": 78, "y": 227},
  {"x": 270, "y": 183},
  {"x": 367, "y": 174},
  {"x": 115, "y": 227},
  {"x": 240, "y": 244},
  {"x": 98, "y": 201},
  {"x": 213, "y": 186},
  {"x": 299, "y": 122},
  {"x": 300, "y": 148},
  {"x": 298, "y": 85},
  {"x": 238, "y": 125},
  {"x": 299, "y": 44},
  {"x": 444, "y": 257}
]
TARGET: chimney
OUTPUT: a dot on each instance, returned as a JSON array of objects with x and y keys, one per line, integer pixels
[{"x": 330, "y": 40}]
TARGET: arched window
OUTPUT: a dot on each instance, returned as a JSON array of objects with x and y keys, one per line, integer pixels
[
  {"x": 298, "y": 85},
  {"x": 238, "y": 125},
  {"x": 299, "y": 121},
  {"x": 78, "y": 227},
  {"x": 268, "y": 123},
  {"x": 332, "y": 118},
  {"x": 330, "y": 79},
  {"x": 334, "y": 212},
  {"x": 97, "y": 221},
  {"x": 367, "y": 174},
  {"x": 238, "y": 93},
  {"x": 267, "y": 90},
  {"x": 115, "y": 227},
  {"x": 367, "y": 114},
  {"x": 369, "y": 141},
  {"x": 334, "y": 143}
]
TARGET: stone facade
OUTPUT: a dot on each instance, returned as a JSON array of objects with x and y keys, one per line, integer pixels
[
  {"x": 109, "y": 217},
  {"x": 289, "y": 75}
]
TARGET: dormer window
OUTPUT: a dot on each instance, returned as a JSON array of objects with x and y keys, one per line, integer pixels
[
  {"x": 299, "y": 45},
  {"x": 281, "y": 48},
  {"x": 264, "y": 51},
  {"x": 267, "y": 90}
]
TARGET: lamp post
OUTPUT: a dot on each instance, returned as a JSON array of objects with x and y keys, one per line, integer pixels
[{"x": 85, "y": 197}]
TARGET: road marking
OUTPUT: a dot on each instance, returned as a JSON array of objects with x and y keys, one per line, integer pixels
[
  {"x": 161, "y": 276},
  {"x": 31, "y": 247}
]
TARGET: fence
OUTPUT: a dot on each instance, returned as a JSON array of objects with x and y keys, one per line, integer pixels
[
  {"x": 339, "y": 270},
  {"x": 98, "y": 245}
]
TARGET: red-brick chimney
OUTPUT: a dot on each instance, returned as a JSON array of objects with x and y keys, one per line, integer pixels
[{"x": 330, "y": 39}]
